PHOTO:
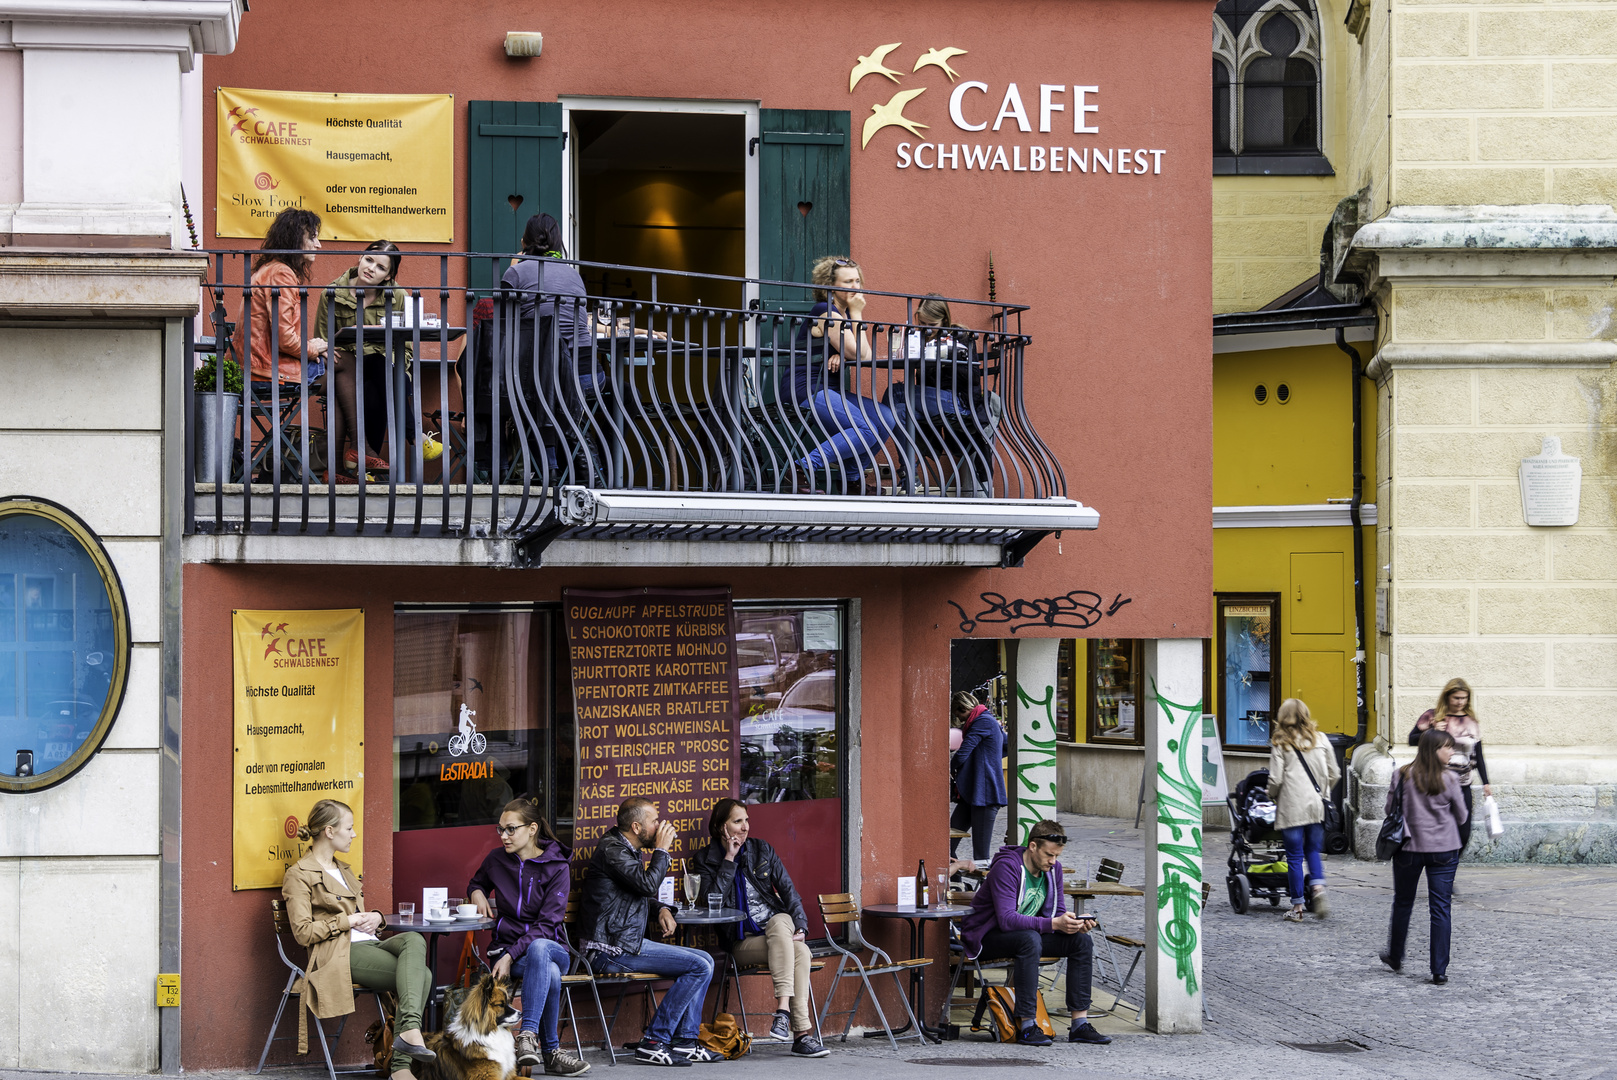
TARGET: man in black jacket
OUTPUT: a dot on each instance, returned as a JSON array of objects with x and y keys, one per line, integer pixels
[
  {"x": 749, "y": 875},
  {"x": 620, "y": 897}
]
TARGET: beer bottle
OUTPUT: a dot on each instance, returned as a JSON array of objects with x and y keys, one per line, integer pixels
[{"x": 923, "y": 889}]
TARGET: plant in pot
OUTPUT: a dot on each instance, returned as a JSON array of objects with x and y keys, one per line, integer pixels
[{"x": 215, "y": 414}]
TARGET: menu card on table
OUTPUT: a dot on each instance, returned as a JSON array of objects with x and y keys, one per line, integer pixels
[
  {"x": 665, "y": 892},
  {"x": 433, "y": 900},
  {"x": 906, "y": 892}
]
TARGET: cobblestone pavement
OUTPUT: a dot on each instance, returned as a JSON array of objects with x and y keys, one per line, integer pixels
[{"x": 1533, "y": 990}]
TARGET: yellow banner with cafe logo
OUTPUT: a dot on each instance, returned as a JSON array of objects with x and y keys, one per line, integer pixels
[
  {"x": 299, "y": 732},
  {"x": 373, "y": 166}
]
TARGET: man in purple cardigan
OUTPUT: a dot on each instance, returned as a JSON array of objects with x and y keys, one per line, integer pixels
[{"x": 1021, "y": 914}]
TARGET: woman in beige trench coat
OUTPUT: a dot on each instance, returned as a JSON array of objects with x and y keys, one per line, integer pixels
[{"x": 1299, "y": 805}]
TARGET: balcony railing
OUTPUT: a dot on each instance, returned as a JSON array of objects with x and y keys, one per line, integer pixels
[{"x": 532, "y": 416}]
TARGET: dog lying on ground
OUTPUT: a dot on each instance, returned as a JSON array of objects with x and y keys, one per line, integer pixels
[{"x": 474, "y": 1046}]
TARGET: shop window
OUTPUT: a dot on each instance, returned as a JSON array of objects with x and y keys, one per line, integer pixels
[
  {"x": 1066, "y": 688},
  {"x": 792, "y": 676},
  {"x": 1116, "y": 690},
  {"x": 1267, "y": 89},
  {"x": 64, "y": 644},
  {"x": 1248, "y": 659}
]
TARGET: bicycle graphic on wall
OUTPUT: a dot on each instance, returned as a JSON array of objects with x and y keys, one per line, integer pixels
[{"x": 470, "y": 740}]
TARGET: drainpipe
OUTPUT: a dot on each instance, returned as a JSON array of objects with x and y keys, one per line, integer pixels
[{"x": 1359, "y": 661}]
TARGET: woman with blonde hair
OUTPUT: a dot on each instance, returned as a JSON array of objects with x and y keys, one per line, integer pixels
[
  {"x": 326, "y": 911},
  {"x": 1302, "y": 772},
  {"x": 1428, "y": 789},
  {"x": 1456, "y": 715}
]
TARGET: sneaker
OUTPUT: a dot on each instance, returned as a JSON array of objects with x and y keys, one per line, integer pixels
[
  {"x": 1322, "y": 906},
  {"x": 431, "y": 448},
  {"x": 1032, "y": 1035},
  {"x": 561, "y": 1063},
  {"x": 694, "y": 1052},
  {"x": 652, "y": 1052},
  {"x": 781, "y": 1029},
  {"x": 528, "y": 1048},
  {"x": 1084, "y": 1032},
  {"x": 809, "y": 1046},
  {"x": 372, "y": 461},
  {"x": 1292, "y": 916}
]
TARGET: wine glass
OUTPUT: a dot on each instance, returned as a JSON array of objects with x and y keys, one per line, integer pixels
[{"x": 693, "y": 888}]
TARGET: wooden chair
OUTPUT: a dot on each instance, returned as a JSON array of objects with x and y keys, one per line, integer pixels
[
  {"x": 283, "y": 936},
  {"x": 843, "y": 909},
  {"x": 570, "y": 979},
  {"x": 584, "y": 974}
]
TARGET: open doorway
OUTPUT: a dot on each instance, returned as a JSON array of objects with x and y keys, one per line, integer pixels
[{"x": 661, "y": 189}]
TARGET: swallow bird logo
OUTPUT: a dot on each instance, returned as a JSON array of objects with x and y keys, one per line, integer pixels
[
  {"x": 264, "y": 633},
  {"x": 892, "y": 114},
  {"x": 872, "y": 65},
  {"x": 274, "y": 647},
  {"x": 939, "y": 58}
]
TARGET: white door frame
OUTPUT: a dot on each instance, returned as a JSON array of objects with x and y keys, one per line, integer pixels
[{"x": 746, "y": 109}]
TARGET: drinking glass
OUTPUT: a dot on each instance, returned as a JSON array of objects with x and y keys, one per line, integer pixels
[
  {"x": 454, "y": 902},
  {"x": 715, "y": 901},
  {"x": 693, "y": 887},
  {"x": 942, "y": 895},
  {"x": 406, "y": 910}
]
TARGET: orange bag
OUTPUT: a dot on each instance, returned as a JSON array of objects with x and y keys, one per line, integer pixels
[{"x": 1000, "y": 1003}]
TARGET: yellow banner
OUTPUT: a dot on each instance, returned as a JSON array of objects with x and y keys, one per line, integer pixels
[
  {"x": 299, "y": 733},
  {"x": 373, "y": 166}
]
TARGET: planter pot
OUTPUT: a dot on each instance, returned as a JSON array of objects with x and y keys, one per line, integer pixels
[{"x": 215, "y": 424}]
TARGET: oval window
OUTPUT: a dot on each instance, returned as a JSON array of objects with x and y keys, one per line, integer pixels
[{"x": 64, "y": 644}]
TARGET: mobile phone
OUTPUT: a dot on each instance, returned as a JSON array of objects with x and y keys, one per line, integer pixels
[{"x": 1086, "y": 917}]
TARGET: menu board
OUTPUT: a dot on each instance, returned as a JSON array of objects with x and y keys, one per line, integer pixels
[{"x": 655, "y": 695}]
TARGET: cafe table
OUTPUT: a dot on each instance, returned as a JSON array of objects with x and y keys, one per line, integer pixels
[
  {"x": 701, "y": 916},
  {"x": 435, "y": 932},
  {"x": 352, "y": 337},
  {"x": 917, "y": 918},
  {"x": 1090, "y": 890}
]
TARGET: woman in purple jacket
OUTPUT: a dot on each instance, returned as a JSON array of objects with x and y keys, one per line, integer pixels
[
  {"x": 528, "y": 877},
  {"x": 1434, "y": 810}
]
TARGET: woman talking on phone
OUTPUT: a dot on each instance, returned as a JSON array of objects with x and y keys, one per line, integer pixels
[
  {"x": 1456, "y": 715},
  {"x": 1433, "y": 814},
  {"x": 750, "y": 876}
]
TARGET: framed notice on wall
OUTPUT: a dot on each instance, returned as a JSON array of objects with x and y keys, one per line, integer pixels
[
  {"x": 373, "y": 166},
  {"x": 655, "y": 693},
  {"x": 299, "y": 733}
]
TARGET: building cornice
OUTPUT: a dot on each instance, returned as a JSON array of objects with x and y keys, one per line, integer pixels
[
  {"x": 45, "y": 284},
  {"x": 1503, "y": 244},
  {"x": 1443, "y": 354},
  {"x": 183, "y": 27}
]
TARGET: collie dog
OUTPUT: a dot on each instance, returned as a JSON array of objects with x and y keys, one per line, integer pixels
[{"x": 474, "y": 1046}]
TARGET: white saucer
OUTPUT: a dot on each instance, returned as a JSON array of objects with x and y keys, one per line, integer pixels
[
  {"x": 467, "y": 918},
  {"x": 429, "y": 918}
]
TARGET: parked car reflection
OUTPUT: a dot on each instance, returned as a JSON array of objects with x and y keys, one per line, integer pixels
[{"x": 786, "y": 750}]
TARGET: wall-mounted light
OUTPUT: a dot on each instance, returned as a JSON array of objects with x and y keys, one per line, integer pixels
[{"x": 520, "y": 43}]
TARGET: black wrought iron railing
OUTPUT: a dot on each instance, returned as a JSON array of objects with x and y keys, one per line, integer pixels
[{"x": 451, "y": 412}]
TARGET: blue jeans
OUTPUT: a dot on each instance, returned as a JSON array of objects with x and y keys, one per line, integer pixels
[
  {"x": 1300, "y": 839},
  {"x": 1406, "y": 871},
  {"x": 859, "y": 424},
  {"x": 541, "y": 967},
  {"x": 680, "y": 1014}
]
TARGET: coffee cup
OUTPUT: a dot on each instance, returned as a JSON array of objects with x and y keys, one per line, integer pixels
[{"x": 466, "y": 910}]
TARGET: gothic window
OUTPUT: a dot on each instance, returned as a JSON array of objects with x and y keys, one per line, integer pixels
[{"x": 1266, "y": 88}]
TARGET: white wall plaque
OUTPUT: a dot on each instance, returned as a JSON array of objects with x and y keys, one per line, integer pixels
[{"x": 1550, "y": 484}]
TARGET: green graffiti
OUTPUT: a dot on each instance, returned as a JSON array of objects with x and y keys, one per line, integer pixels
[
  {"x": 1035, "y": 761},
  {"x": 1179, "y": 807}
]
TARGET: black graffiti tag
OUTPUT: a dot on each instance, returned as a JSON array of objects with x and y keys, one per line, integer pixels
[{"x": 1077, "y": 610}]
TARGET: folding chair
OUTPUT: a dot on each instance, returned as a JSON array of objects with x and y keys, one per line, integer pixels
[
  {"x": 283, "y": 934},
  {"x": 269, "y": 426},
  {"x": 842, "y": 908},
  {"x": 957, "y": 951},
  {"x": 588, "y": 977}
]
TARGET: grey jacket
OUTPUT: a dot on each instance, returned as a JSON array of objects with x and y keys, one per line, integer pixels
[{"x": 1431, "y": 821}]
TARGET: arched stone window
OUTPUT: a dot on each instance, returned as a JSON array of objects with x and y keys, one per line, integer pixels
[{"x": 1266, "y": 88}]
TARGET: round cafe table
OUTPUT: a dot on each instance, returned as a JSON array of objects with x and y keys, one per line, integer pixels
[
  {"x": 700, "y": 916},
  {"x": 435, "y": 933},
  {"x": 917, "y": 918}
]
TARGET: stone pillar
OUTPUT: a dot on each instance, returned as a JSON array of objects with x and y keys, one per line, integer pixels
[
  {"x": 1033, "y": 782},
  {"x": 1173, "y": 877}
]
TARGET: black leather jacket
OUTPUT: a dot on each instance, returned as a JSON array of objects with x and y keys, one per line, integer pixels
[
  {"x": 620, "y": 894},
  {"x": 766, "y": 878}
]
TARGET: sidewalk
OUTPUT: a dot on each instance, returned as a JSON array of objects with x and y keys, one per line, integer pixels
[{"x": 1533, "y": 990}]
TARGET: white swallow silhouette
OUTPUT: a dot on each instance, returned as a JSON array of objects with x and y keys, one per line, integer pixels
[
  {"x": 940, "y": 58},
  {"x": 893, "y": 113},
  {"x": 872, "y": 65}
]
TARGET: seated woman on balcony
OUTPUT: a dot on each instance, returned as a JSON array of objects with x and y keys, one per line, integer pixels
[
  {"x": 551, "y": 290},
  {"x": 855, "y": 427},
  {"x": 363, "y": 289},
  {"x": 952, "y": 405},
  {"x": 277, "y": 335}
]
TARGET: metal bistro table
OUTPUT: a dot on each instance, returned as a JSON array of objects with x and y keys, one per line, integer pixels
[
  {"x": 917, "y": 918},
  {"x": 435, "y": 932},
  {"x": 355, "y": 337}
]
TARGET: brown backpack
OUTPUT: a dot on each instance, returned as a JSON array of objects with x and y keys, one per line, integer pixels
[
  {"x": 1000, "y": 1004},
  {"x": 724, "y": 1036}
]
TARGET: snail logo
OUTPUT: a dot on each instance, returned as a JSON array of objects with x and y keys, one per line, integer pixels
[
  {"x": 891, "y": 113},
  {"x": 291, "y": 826},
  {"x": 265, "y": 182}
]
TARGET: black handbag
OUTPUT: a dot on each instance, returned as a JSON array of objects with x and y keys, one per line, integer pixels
[
  {"x": 1333, "y": 816},
  {"x": 1390, "y": 840}
]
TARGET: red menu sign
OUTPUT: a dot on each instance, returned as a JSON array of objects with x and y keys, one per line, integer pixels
[{"x": 655, "y": 696}]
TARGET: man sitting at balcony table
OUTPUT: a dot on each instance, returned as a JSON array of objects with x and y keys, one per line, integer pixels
[
  {"x": 856, "y": 427},
  {"x": 620, "y": 894},
  {"x": 1020, "y": 913},
  {"x": 750, "y": 876}
]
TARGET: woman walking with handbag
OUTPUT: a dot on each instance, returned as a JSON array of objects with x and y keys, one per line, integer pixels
[
  {"x": 1302, "y": 772},
  {"x": 1433, "y": 811},
  {"x": 1456, "y": 715}
]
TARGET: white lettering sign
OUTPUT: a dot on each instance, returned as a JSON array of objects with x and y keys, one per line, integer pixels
[{"x": 986, "y": 157}]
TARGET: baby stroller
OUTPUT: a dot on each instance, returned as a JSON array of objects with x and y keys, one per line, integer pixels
[{"x": 1255, "y": 845}]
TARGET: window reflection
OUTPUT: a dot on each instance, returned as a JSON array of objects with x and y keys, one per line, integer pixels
[
  {"x": 790, "y": 666},
  {"x": 1246, "y": 641}
]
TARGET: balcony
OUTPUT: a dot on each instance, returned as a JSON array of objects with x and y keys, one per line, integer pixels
[{"x": 537, "y": 427}]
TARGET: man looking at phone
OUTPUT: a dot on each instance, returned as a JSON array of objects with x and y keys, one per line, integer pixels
[
  {"x": 614, "y": 916},
  {"x": 1020, "y": 914}
]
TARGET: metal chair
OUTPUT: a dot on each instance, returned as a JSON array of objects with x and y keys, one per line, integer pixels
[
  {"x": 283, "y": 933},
  {"x": 957, "y": 950},
  {"x": 730, "y": 969},
  {"x": 843, "y": 909},
  {"x": 588, "y": 977}
]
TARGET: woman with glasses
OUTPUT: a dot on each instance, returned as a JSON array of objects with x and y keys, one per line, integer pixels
[
  {"x": 527, "y": 875},
  {"x": 830, "y": 337}
]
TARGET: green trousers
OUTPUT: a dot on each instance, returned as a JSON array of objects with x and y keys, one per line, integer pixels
[{"x": 397, "y": 965}]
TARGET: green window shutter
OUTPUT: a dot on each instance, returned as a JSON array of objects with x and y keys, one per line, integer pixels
[
  {"x": 515, "y": 154},
  {"x": 803, "y": 197}
]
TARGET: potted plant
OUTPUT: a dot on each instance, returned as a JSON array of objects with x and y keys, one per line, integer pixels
[{"x": 216, "y": 411}]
